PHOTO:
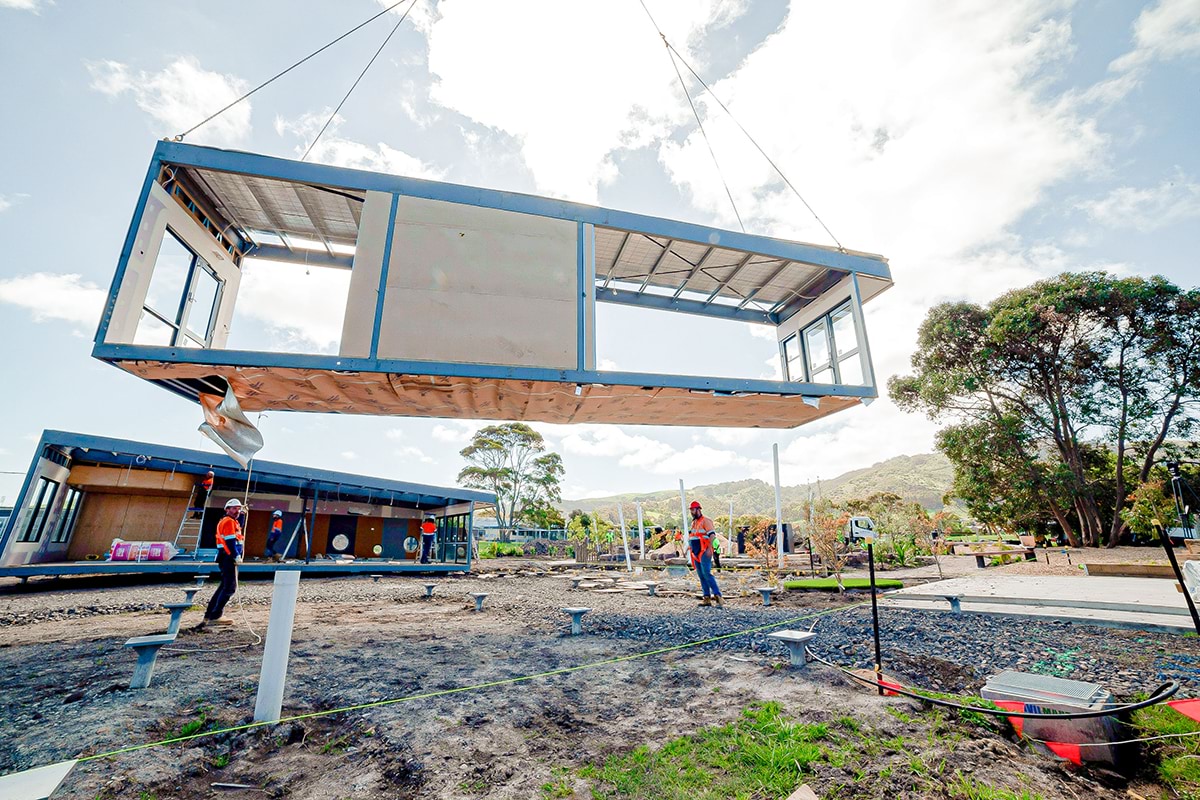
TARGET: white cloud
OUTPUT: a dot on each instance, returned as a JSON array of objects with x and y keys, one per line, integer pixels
[
  {"x": 340, "y": 152},
  {"x": 637, "y": 451},
  {"x": 53, "y": 296},
  {"x": 571, "y": 81},
  {"x": 179, "y": 96},
  {"x": 1166, "y": 30},
  {"x": 413, "y": 452},
  {"x": 729, "y": 437},
  {"x": 305, "y": 306},
  {"x": 7, "y": 201},
  {"x": 853, "y": 439},
  {"x": 909, "y": 155},
  {"x": 1149, "y": 208},
  {"x": 22, "y": 5},
  {"x": 458, "y": 431}
]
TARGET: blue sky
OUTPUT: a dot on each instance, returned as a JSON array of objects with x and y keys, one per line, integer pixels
[{"x": 979, "y": 146}]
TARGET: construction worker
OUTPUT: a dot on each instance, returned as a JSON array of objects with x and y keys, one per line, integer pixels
[
  {"x": 230, "y": 541},
  {"x": 428, "y": 533},
  {"x": 203, "y": 490},
  {"x": 700, "y": 539},
  {"x": 716, "y": 545},
  {"x": 274, "y": 535}
]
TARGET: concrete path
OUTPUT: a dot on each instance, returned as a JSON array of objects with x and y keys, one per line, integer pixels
[{"x": 1141, "y": 603}]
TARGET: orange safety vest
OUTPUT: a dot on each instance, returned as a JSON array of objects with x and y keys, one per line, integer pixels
[
  {"x": 206, "y": 484},
  {"x": 228, "y": 527},
  {"x": 277, "y": 525},
  {"x": 701, "y": 529},
  {"x": 428, "y": 528}
]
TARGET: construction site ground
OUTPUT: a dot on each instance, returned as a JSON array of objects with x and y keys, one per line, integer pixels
[{"x": 63, "y": 690}]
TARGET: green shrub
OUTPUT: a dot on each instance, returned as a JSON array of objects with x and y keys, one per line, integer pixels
[{"x": 500, "y": 549}]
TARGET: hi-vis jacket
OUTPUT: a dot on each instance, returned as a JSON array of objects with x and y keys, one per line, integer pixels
[
  {"x": 229, "y": 530},
  {"x": 702, "y": 531}
]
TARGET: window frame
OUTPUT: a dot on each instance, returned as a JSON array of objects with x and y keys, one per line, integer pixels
[
  {"x": 39, "y": 510},
  {"x": 834, "y": 360},
  {"x": 67, "y": 516},
  {"x": 180, "y": 331}
]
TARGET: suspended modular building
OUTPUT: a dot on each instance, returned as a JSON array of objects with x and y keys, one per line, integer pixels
[{"x": 464, "y": 302}]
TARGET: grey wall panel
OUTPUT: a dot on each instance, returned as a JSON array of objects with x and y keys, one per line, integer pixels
[
  {"x": 478, "y": 329},
  {"x": 479, "y": 285}
]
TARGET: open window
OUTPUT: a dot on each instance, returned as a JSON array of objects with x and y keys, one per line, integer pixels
[{"x": 181, "y": 299}]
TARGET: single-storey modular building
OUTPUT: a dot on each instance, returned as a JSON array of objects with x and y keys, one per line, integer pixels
[{"x": 83, "y": 493}]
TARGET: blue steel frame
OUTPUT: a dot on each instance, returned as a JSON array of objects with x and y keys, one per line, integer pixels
[
  {"x": 185, "y": 155},
  {"x": 274, "y": 474}
]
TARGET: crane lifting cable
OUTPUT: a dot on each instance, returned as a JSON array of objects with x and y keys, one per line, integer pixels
[
  {"x": 696, "y": 113},
  {"x": 278, "y": 75},
  {"x": 354, "y": 85},
  {"x": 676, "y": 54}
]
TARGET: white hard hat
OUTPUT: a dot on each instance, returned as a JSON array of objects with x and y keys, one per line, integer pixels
[
  {"x": 277, "y": 513},
  {"x": 234, "y": 503}
]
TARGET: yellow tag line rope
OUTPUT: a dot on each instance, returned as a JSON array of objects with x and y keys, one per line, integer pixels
[{"x": 477, "y": 686}]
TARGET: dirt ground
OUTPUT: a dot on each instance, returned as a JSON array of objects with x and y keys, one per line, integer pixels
[{"x": 63, "y": 680}]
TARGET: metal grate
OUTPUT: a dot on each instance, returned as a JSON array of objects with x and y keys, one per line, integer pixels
[{"x": 1044, "y": 689}]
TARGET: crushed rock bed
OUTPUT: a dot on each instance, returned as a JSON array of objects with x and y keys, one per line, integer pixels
[{"x": 357, "y": 641}]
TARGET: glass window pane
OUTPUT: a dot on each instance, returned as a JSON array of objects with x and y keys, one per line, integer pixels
[
  {"x": 844, "y": 337},
  {"x": 850, "y": 370},
  {"x": 817, "y": 345},
  {"x": 66, "y": 518},
  {"x": 791, "y": 352},
  {"x": 47, "y": 490},
  {"x": 204, "y": 298},
  {"x": 153, "y": 331},
  {"x": 169, "y": 281},
  {"x": 823, "y": 376}
]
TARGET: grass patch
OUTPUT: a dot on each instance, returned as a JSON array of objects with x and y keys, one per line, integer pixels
[
  {"x": 762, "y": 754},
  {"x": 964, "y": 788},
  {"x": 1177, "y": 760},
  {"x": 830, "y": 584}
]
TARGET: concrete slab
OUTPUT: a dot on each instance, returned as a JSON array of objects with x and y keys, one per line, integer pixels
[{"x": 1143, "y": 603}]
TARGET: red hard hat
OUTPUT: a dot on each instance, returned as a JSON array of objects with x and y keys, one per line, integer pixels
[{"x": 694, "y": 504}]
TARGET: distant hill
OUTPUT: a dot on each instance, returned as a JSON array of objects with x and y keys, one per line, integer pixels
[{"x": 922, "y": 478}]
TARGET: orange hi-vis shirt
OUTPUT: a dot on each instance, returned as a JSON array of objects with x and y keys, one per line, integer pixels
[
  {"x": 702, "y": 529},
  {"x": 428, "y": 528},
  {"x": 207, "y": 484},
  {"x": 228, "y": 526},
  {"x": 277, "y": 525}
]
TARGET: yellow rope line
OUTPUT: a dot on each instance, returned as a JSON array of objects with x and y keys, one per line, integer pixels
[{"x": 461, "y": 689}]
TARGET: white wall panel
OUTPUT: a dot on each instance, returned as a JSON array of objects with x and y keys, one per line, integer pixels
[{"x": 364, "y": 277}]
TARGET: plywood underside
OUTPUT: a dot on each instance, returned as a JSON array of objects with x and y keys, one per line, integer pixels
[{"x": 385, "y": 394}]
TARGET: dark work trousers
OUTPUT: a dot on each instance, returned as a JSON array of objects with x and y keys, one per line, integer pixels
[
  {"x": 426, "y": 546},
  {"x": 716, "y": 559},
  {"x": 228, "y": 567}
]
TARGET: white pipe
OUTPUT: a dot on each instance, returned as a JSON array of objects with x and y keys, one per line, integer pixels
[
  {"x": 269, "y": 704},
  {"x": 778, "y": 507},
  {"x": 686, "y": 529},
  {"x": 624, "y": 537},
  {"x": 641, "y": 533}
]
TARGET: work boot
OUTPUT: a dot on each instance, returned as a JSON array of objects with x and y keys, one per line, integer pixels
[
  {"x": 706, "y": 602},
  {"x": 718, "y": 601},
  {"x": 222, "y": 621}
]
